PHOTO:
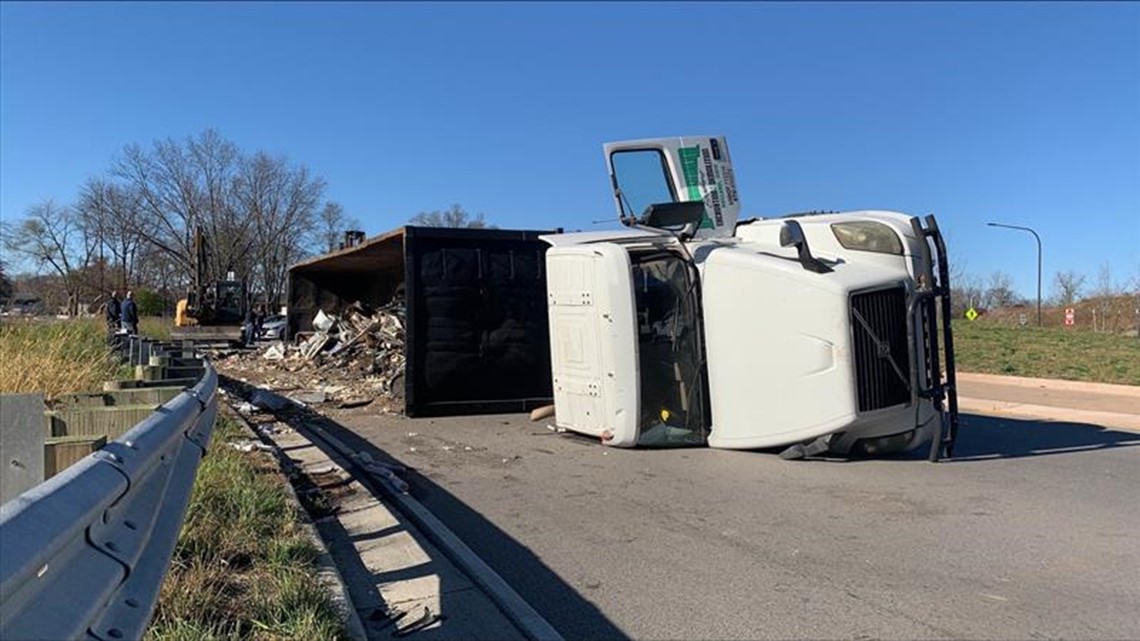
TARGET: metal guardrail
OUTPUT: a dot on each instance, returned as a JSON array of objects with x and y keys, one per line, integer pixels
[{"x": 83, "y": 554}]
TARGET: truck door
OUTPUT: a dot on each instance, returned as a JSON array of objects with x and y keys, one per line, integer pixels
[
  {"x": 660, "y": 170},
  {"x": 593, "y": 345}
]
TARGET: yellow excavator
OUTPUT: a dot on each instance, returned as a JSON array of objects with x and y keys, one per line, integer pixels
[{"x": 213, "y": 310}]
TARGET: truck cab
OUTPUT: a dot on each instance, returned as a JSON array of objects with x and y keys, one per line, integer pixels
[{"x": 810, "y": 334}]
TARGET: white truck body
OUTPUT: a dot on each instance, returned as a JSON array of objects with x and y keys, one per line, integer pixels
[{"x": 723, "y": 335}]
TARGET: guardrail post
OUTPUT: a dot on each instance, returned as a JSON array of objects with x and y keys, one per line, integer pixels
[{"x": 84, "y": 553}]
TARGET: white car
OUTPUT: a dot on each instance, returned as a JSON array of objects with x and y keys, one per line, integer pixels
[{"x": 273, "y": 329}]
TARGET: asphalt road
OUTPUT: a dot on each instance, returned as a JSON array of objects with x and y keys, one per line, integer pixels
[{"x": 1033, "y": 531}]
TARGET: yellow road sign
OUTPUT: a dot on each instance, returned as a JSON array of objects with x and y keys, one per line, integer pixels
[{"x": 971, "y": 313}]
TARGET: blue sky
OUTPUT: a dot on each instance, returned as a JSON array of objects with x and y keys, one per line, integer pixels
[{"x": 1021, "y": 113}]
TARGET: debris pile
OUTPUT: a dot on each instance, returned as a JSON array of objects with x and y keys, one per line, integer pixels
[{"x": 350, "y": 360}]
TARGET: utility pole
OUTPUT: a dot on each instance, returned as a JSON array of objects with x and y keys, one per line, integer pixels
[{"x": 1038, "y": 262}]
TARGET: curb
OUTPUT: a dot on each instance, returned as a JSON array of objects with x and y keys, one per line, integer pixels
[
  {"x": 513, "y": 606},
  {"x": 1131, "y": 391},
  {"x": 1113, "y": 420}
]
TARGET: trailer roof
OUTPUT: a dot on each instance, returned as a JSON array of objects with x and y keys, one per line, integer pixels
[{"x": 385, "y": 250}]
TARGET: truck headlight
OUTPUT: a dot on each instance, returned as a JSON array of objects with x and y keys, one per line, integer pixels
[{"x": 867, "y": 236}]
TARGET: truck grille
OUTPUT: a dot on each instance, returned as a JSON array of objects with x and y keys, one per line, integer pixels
[{"x": 882, "y": 362}]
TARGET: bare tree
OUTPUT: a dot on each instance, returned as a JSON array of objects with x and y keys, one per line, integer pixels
[
  {"x": 256, "y": 211},
  {"x": 1135, "y": 285},
  {"x": 183, "y": 185},
  {"x": 281, "y": 201},
  {"x": 1067, "y": 287},
  {"x": 159, "y": 272},
  {"x": 966, "y": 292},
  {"x": 454, "y": 216},
  {"x": 1106, "y": 294},
  {"x": 113, "y": 215},
  {"x": 53, "y": 236},
  {"x": 331, "y": 225},
  {"x": 999, "y": 291},
  {"x": 6, "y": 287},
  {"x": 258, "y": 214}
]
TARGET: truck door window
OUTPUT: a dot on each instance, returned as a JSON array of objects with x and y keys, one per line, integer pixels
[
  {"x": 669, "y": 352},
  {"x": 643, "y": 178}
]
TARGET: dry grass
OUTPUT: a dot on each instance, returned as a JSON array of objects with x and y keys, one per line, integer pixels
[
  {"x": 54, "y": 356},
  {"x": 243, "y": 568},
  {"x": 156, "y": 327}
]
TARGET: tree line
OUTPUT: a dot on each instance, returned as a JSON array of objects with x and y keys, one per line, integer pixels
[
  {"x": 1113, "y": 299},
  {"x": 133, "y": 226}
]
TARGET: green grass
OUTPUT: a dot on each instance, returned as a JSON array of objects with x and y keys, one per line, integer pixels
[
  {"x": 1077, "y": 355},
  {"x": 243, "y": 567}
]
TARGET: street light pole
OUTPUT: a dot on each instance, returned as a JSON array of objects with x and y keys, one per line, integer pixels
[{"x": 1038, "y": 262}]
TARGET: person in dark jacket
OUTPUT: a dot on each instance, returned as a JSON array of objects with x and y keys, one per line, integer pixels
[
  {"x": 112, "y": 311},
  {"x": 259, "y": 321},
  {"x": 130, "y": 314},
  {"x": 249, "y": 328}
]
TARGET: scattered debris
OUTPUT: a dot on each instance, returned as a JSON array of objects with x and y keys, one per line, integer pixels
[
  {"x": 309, "y": 397},
  {"x": 270, "y": 429},
  {"x": 546, "y": 411},
  {"x": 413, "y": 621},
  {"x": 323, "y": 322},
  {"x": 359, "y": 401},
  {"x": 350, "y": 359},
  {"x": 387, "y": 474},
  {"x": 249, "y": 446},
  {"x": 275, "y": 352},
  {"x": 407, "y": 622},
  {"x": 266, "y": 400}
]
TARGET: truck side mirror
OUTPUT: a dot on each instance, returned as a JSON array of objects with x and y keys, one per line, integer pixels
[
  {"x": 673, "y": 215},
  {"x": 792, "y": 235}
]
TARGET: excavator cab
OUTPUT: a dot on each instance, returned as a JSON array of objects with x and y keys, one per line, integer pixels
[{"x": 230, "y": 302}]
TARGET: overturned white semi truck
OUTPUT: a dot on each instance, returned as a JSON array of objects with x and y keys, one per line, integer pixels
[{"x": 812, "y": 333}]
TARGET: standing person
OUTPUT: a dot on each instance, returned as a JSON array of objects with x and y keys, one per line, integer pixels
[
  {"x": 259, "y": 320},
  {"x": 112, "y": 312},
  {"x": 130, "y": 314},
  {"x": 248, "y": 327}
]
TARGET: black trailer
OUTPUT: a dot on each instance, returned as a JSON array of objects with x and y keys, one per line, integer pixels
[{"x": 477, "y": 331}]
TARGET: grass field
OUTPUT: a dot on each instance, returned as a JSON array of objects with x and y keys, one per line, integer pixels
[
  {"x": 243, "y": 567},
  {"x": 54, "y": 357},
  {"x": 1046, "y": 353},
  {"x": 155, "y": 327}
]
